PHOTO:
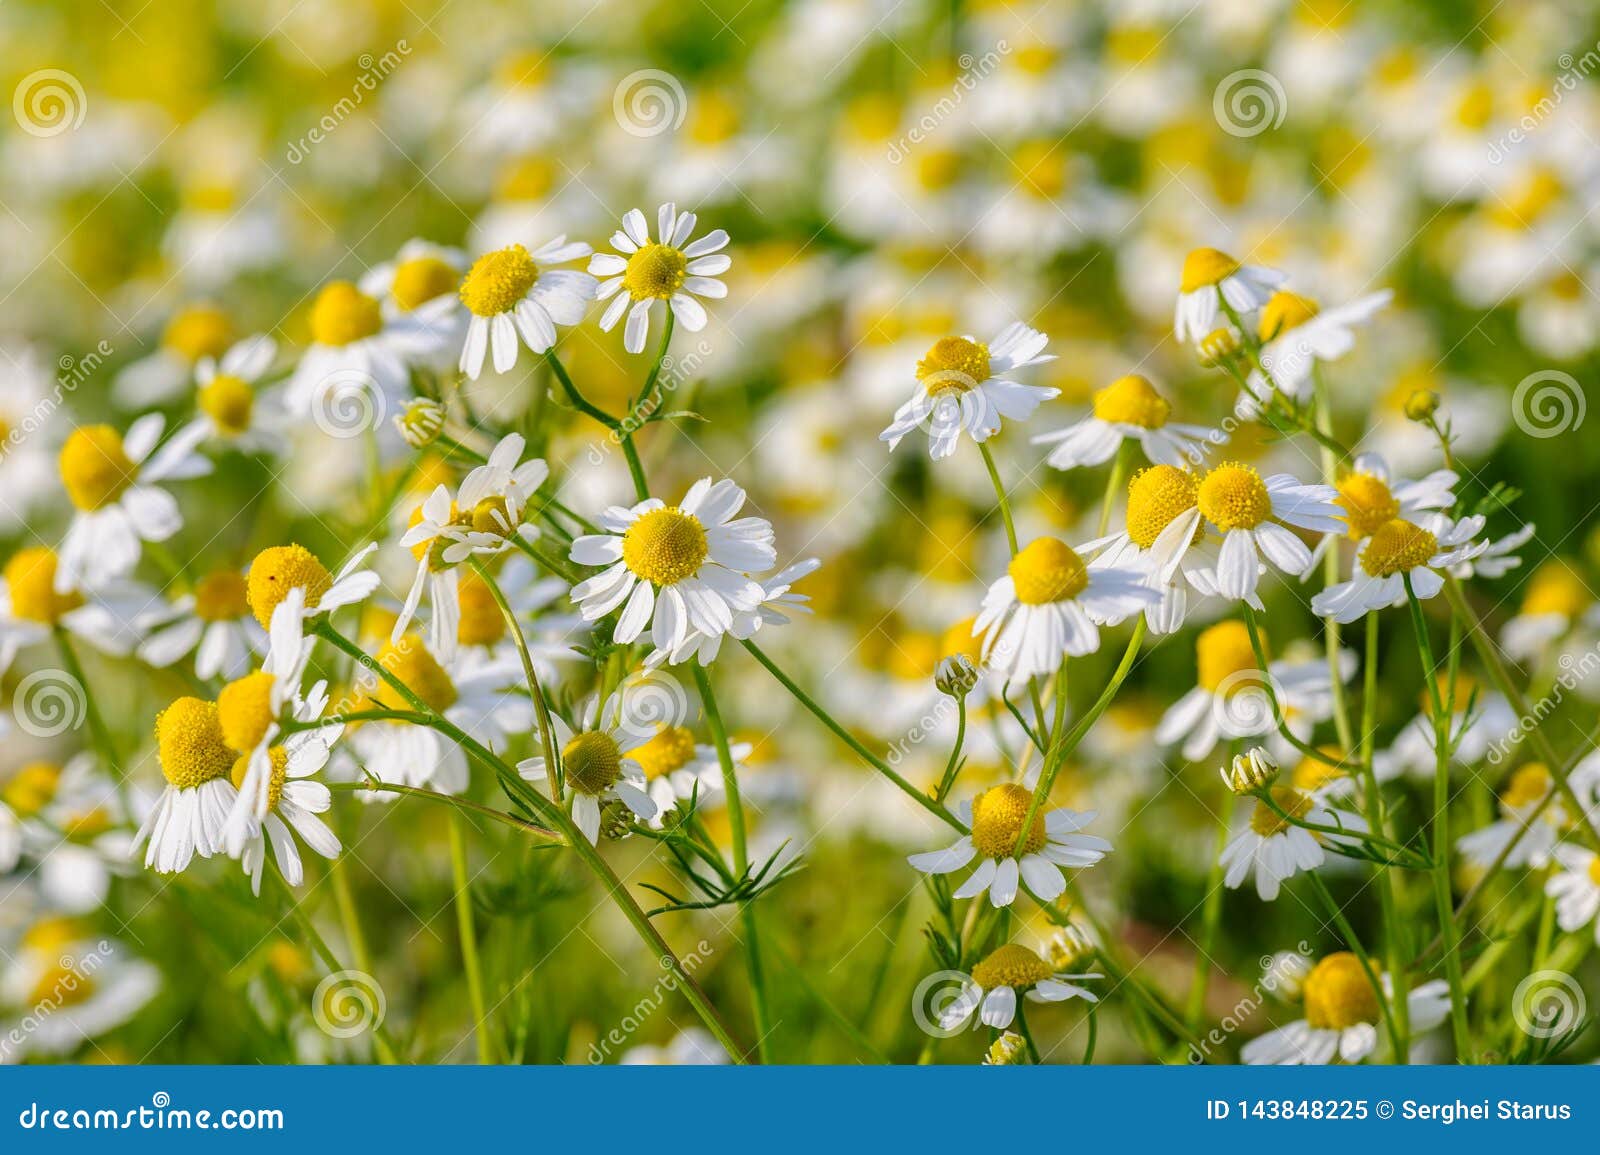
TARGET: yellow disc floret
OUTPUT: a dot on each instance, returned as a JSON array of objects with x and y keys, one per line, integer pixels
[
  {"x": 997, "y": 817},
  {"x": 1222, "y": 653},
  {"x": 419, "y": 671},
  {"x": 1338, "y": 994},
  {"x": 221, "y": 596},
  {"x": 1367, "y": 503},
  {"x": 1233, "y": 496},
  {"x": 245, "y": 710},
  {"x": 1132, "y": 400},
  {"x": 1266, "y": 821},
  {"x": 1313, "y": 773},
  {"x": 1397, "y": 546},
  {"x": 343, "y": 314},
  {"x": 671, "y": 749},
  {"x": 279, "y": 569},
  {"x": 498, "y": 281},
  {"x": 1528, "y": 784},
  {"x": 655, "y": 271},
  {"x": 1011, "y": 966},
  {"x": 198, "y": 331},
  {"x": 1205, "y": 267},
  {"x": 1047, "y": 570},
  {"x": 665, "y": 546},
  {"x": 31, "y": 788},
  {"x": 229, "y": 402},
  {"x": 959, "y": 639},
  {"x": 593, "y": 762},
  {"x": 190, "y": 744},
  {"x": 1555, "y": 588},
  {"x": 1284, "y": 311},
  {"x": 95, "y": 468},
  {"x": 278, "y": 758},
  {"x": 60, "y": 984},
  {"x": 1156, "y": 496},
  {"x": 31, "y": 577},
  {"x": 420, "y": 280},
  {"x": 482, "y": 623},
  {"x": 954, "y": 364}
]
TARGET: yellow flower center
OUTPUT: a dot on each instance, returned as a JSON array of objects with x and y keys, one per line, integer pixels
[
  {"x": 1367, "y": 503},
  {"x": 95, "y": 468},
  {"x": 1338, "y": 994},
  {"x": 1041, "y": 167},
  {"x": 1011, "y": 966},
  {"x": 60, "y": 984},
  {"x": 593, "y": 762},
  {"x": 1155, "y": 497},
  {"x": 937, "y": 168},
  {"x": 498, "y": 281},
  {"x": 31, "y": 577},
  {"x": 671, "y": 749},
  {"x": 655, "y": 271},
  {"x": 50, "y": 935},
  {"x": 1594, "y": 870},
  {"x": 1047, "y": 570},
  {"x": 221, "y": 596},
  {"x": 31, "y": 788},
  {"x": 1266, "y": 821},
  {"x": 419, "y": 671},
  {"x": 491, "y": 515},
  {"x": 959, "y": 639},
  {"x": 665, "y": 546},
  {"x": 954, "y": 365},
  {"x": 88, "y": 826},
  {"x": 1233, "y": 496},
  {"x": 229, "y": 402},
  {"x": 997, "y": 817},
  {"x": 1132, "y": 400},
  {"x": 343, "y": 314},
  {"x": 420, "y": 280},
  {"x": 434, "y": 548},
  {"x": 1397, "y": 546},
  {"x": 1555, "y": 589},
  {"x": 527, "y": 178},
  {"x": 713, "y": 118},
  {"x": 482, "y": 623},
  {"x": 1222, "y": 653},
  {"x": 244, "y": 710},
  {"x": 198, "y": 331},
  {"x": 1284, "y": 311},
  {"x": 279, "y": 759},
  {"x": 1528, "y": 784},
  {"x": 1206, "y": 267},
  {"x": 1313, "y": 773},
  {"x": 190, "y": 744},
  {"x": 279, "y": 569}
]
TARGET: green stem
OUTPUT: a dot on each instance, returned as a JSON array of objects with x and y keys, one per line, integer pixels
[
  {"x": 1210, "y": 919},
  {"x": 1349, "y": 934},
  {"x": 463, "y": 804},
  {"x": 98, "y": 731},
  {"x": 1393, "y": 928},
  {"x": 947, "y": 780},
  {"x": 1119, "y": 468},
  {"x": 468, "y": 933},
  {"x": 644, "y": 404},
  {"x": 1027, "y": 1035},
  {"x": 541, "y": 705},
  {"x": 1000, "y": 495}
]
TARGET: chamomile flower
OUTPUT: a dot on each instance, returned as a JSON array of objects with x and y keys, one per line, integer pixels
[
  {"x": 1296, "y": 336},
  {"x": 1048, "y": 605},
  {"x": 1163, "y": 531},
  {"x": 677, "y": 768},
  {"x": 1252, "y": 516},
  {"x": 420, "y": 285},
  {"x": 74, "y": 825},
  {"x": 1342, "y": 1013},
  {"x": 670, "y": 268},
  {"x": 996, "y": 816},
  {"x": 1555, "y": 598},
  {"x": 1370, "y": 495},
  {"x": 281, "y": 568},
  {"x": 515, "y": 298},
  {"x": 778, "y": 600},
  {"x": 109, "y": 619},
  {"x": 1576, "y": 888},
  {"x": 597, "y": 765},
  {"x": 355, "y": 346},
  {"x": 74, "y": 988},
  {"x": 1273, "y": 848},
  {"x": 1524, "y": 794},
  {"x": 441, "y": 537},
  {"x": 213, "y": 623},
  {"x": 192, "y": 813},
  {"x": 114, "y": 483},
  {"x": 1129, "y": 409},
  {"x": 1211, "y": 277},
  {"x": 293, "y": 803},
  {"x": 677, "y": 568},
  {"x": 961, "y": 385},
  {"x": 992, "y": 988},
  {"x": 228, "y": 397},
  {"x": 1398, "y": 552},
  {"x": 192, "y": 334},
  {"x": 496, "y": 493}
]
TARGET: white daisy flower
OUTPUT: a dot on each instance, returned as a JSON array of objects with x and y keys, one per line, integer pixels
[
  {"x": 678, "y": 568},
  {"x": 1252, "y": 516},
  {"x": 213, "y": 623},
  {"x": 961, "y": 385},
  {"x": 996, "y": 816},
  {"x": 1576, "y": 888},
  {"x": 1211, "y": 277},
  {"x": 228, "y": 398},
  {"x": 1525, "y": 793},
  {"x": 191, "y": 815},
  {"x": 192, "y": 334},
  {"x": 421, "y": 285},
  {"x": 74, "y": 988},
  {"x": 597, "y": 765},
  {"x": 1498, "y": 558},
  {"x": 1163, "y": 539},
  {"x": 1274, "y": 849},
  {"x": 778, "y": 601},
  {"x": 440, "y": 543},
  {"x": 114, "y": 483},
  {"x": 992, "y": 988},
  {"x": 1422, "y": 551},
  {"x": 1129, "y": 408},
  {"x": 1370, "y": 496},
  {"x": 110, "y": 619},
  {"x": 678, "y": 768},
  {"x": 671, "y": 269},
  {"x": 1342, "y": 1015},
  {"x": 1296, "y": 336},
  {"x": 293, "y": 803},
  {"x": 1555, "y": 598},
  {"x": 354, "y": 346},
  {"x": 69, "y": 820},
  {"x": 280, "y": 569},
  {"x": 1048, "y": 605},
  {"x": 517, "y": 298}
]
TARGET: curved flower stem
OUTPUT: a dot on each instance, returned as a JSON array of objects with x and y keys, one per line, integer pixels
[
  {"x": 1282, "y": 723},
  {"x": 1400, "y": 1023},
  {"x": 644, "y": 405},
  {"x": 556, "y": 565},
  {"x": 541, "y": 705},
  {"x": 1000, "y": 495},
  {"x": 468, "y": 933},
  {"x": 1027, "y": 1035},
  {"x": 579, "y": 401},
  {"x": 98, "y": 730},
  {"x": 741, "y": 860},
  {"x": 558, "y": 818},
  {"x": 849, "y": 740},
  {"x": 1330, "y": 574},
  {"x": 1094, "y": 1031},
  {"x": 1346, "y": 930},
  {"x": 947, "y": 780},
  {"x": 1119, "y": 469}
]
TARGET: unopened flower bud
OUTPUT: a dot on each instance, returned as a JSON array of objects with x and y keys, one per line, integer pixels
[
  {"x": 421, "y": 423},
  {"x": 1285, "y": 974},
  {"x": 1069, "y": 948},
  {"x": 1422, "y": 404},
  {"x": 1007, "y": 1051},
  {"x": 615, "y": 821},
  {"x": 1250, "y": 771},
  {"x": 1218, "y": 345},
  {"x": 955, "y": 676}
]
